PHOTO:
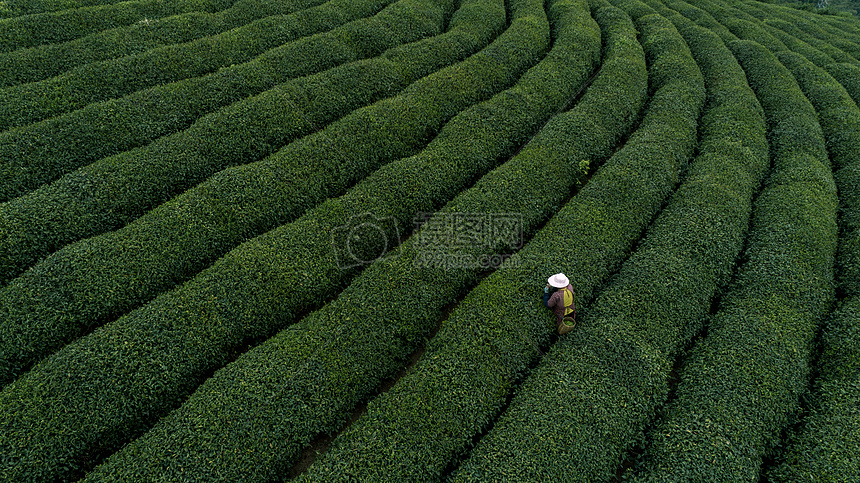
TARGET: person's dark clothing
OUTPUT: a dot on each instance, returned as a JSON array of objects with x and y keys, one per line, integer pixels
[{"x": 554, "y": 299}]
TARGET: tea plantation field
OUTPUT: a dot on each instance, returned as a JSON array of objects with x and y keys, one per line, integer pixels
[{"x": 269, "y": 240}]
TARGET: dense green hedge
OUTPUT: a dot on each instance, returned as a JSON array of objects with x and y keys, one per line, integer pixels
[
  {"x": 849, "y": 25},
  {"x": 109, "y": 79},
  {"x": 122, "y": 187},
  {"x": 778, "y": 28},
  {"x": 775, "y": 33},
  {"x": 814, "y": 26},
  {"x": 244, "y": 296},
  {"x": 839, "y": 359},
  {"x": 27, "y": 7},
  {"x": 825, "y": 448},
  {"x": 825, "y": 445},
  {"x": 824, "y": 46},
  {"x": 804, "y": 29},
  {"x": 838, "y": 115},
  {"x": 741, "y": 25},
  {"x": 589, "y": 401},
  {"x": 667, "y": 12},
  {"x": 848, "y": 263},
  {"x": 849, "y": 76},
  {"x": 700, "y": 17},
  {"x": 36, "y": 154},
  {"x": 50, "y": 27},
  {"x": 102, "y": 278},
  {"x": 741, "y": 384},
  {"x": 840, "y": 122},
  {"x": 429, "y": 418},
  {"x": 350, "y": 368},
  {"x": 44, "y": 61},
  {"x": 746, "y": 29}
]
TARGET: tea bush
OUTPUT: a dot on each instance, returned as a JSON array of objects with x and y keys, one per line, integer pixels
[
  {"x": 247, "y": 286},
  {"x": 50, "y": 27},
  {"x": 824, "y": 448},
  {"x": 594, "y": 392},
  {"x": 178, "y": 239},
  {"x": 41, "y": 62},
  {"x": 122, "y": 187},
  {"x": 39, "y": 153},
  {"x": 428, "y": 420},
  {"x": 373, "y": 349},
  {"x": 109, "y": 79},
  {"x": 840, "y": 123},
  {"x": 740, "y": 386}
]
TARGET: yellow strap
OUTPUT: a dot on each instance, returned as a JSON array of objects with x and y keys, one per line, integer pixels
[
  {"x": 568, "y": 301},
  {"x": 568, "y": 297}
]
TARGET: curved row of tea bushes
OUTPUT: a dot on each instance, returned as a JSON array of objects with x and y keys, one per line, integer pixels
[
  {"x": 825, "y": 448},
  {"x": 372, "y": 349},
  {"x": 99, "y": 81},
  {"x": 849, "y": 76},
  {"x": 843, "y": 22},
  {"x": 753, "y": 14},
  {"x": 697, "y": 15},
  {"x": 116, "y": 190},
  {"x": 809, "y": 24},
  {"x": 595, "y": 391},
  {"x": 51, "y": 27},
  {"x": 33, "y": 155},
  {"x": 771, "y": 30},
  {"x": 824, "y": 46},
  {"x": 746, "y": 29},
  {"x": 741, "y": 384},
  {"x": 703, "y": 17},
  {"x": 165, "y": 349},
  {"x": 848, "y": 264},
  {"x": 28, "y": 7},
  {"x": 105, "y": 276},
  {"x": 41, "y": 62},
  {"x": 776, "y": 35},
  {"x": 673, "y": 8},
  {"x": 836, "y": 113},
  {"x": 841, "y": 26},
  {"x": 840, "y": 122},
  {"x": 778, "y": 28},
  {"x": 427, "y": 421},
  {"x": 741, "y": 24},
  {"x": 731, "y": 23}
]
